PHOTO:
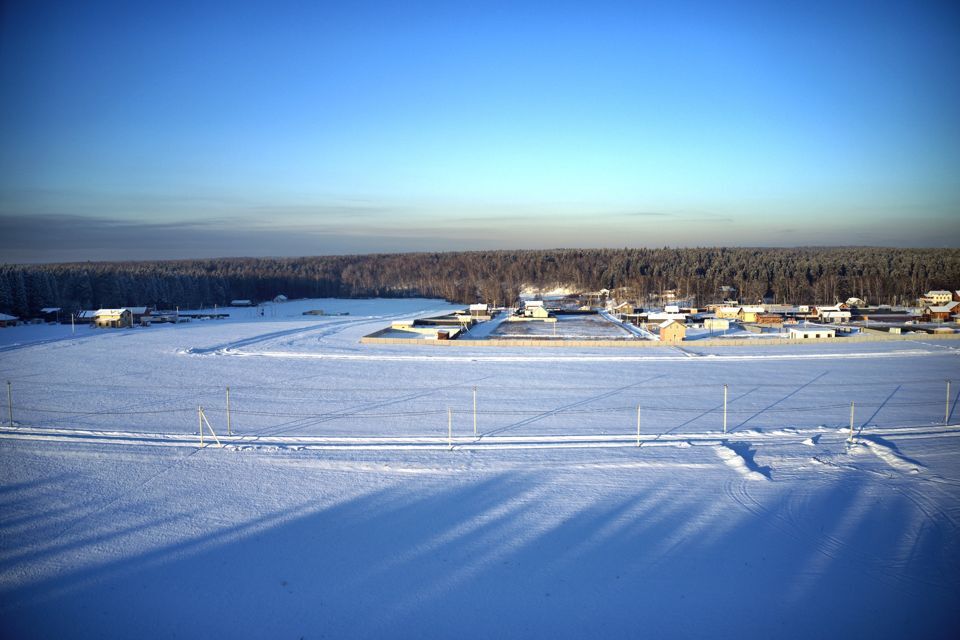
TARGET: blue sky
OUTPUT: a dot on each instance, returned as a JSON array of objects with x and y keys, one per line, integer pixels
[{"x": 168, "y": 129}]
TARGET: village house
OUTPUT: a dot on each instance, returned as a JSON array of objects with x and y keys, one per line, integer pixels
[
  {"x": 113, "y": 318},
  {"x": 623, "y": 307},
  {"x": 535, "y": 309},
  {"x": 749, "y": 313},
  {"x": 672, "y": 331},
  {"x": 51, "y": 314},
  {"x": 835, "y": 313},
  {"x": 8, "y": 320},
  {"x": 936, "y": 298},
  {"x": 941, "y": 313}
]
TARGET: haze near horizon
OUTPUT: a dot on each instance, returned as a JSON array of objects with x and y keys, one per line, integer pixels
[{"x": 178, "y": 130}]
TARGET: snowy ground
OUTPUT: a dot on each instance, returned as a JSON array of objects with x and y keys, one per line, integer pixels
[
  {"x": 577, "y": 327},
  {"x": 340, "y": 510}
]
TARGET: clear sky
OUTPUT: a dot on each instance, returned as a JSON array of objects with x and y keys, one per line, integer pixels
[{"x": 194, "y": 129}]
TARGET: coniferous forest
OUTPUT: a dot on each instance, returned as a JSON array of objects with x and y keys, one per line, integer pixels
[{"x": 797, "y": 275}]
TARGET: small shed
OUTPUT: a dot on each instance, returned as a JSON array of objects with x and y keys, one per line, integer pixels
[
  {"x": 280, "y": 298},
  {"x": 8, "y": 320},
  {"x": 50, "y": 314},
  {"x": 672, "y": 331},
  {"x": 141, "y": 315},
  {"x": 480, "y": 310},
  {"x": 808, "y": 332},
  {"x": 539, "y": 313},
  {"x": 113, "y": 318}
]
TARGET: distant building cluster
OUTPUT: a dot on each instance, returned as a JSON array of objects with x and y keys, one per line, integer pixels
[{"x": 128, "y": 317}]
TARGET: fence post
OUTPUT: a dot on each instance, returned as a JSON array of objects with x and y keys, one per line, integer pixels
[
  {"x": 200, "y": 422},
  {"x": 638, "y": 425},
  {"x": 474, "y": 412},
  {"x": 450, "y": 427},
  {"x": 946, "y": 413},
  {"x": 212, "y": 432},
  {"x": 724, "y": 408},
  {"x": 229, "y": 430},
  {"x": 851, "y": 423},
  {"x": 10, "y": 402}
]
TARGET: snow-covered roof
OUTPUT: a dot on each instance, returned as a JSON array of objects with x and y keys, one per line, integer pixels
[
  {"x": 49, "y": 309},
  {"x": 6, "y": 317},
  {"x": 938, "y": 292},
  {"x": 753, "y": 308},
  {"x": 109, "y": 312},
  {"x": 85, "y": 314},
  {"x": 946, "y": 308},
  {"x": 667, "y": 323},
  {"x": 533, "y": 303},
  {"x": 137, "y": 311},
  {"x": 661, "y": 315},
  {"x": 479, "y": 307}
]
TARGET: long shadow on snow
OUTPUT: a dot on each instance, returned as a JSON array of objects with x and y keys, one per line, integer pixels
[
  {"x": 746, "y": 451},
  {"x": 522, "y": 555}
]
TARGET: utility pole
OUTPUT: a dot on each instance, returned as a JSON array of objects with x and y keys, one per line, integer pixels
[
  {"x": 10, "y": 402},
  {"x": 450, "y": 427},
  {"x": 474, "y": 412}
]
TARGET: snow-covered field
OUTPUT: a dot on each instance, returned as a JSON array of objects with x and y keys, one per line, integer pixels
[
  {"x": 567, "y": 326},
  {"x": 339, "y": 509}
]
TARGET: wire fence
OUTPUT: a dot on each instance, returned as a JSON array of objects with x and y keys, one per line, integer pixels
[{"x": 483, "y": 410}]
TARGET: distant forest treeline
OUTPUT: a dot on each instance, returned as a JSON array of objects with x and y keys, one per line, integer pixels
[{"x": 808, "y": 275}]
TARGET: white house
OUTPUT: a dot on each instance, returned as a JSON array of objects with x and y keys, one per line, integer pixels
[
  {"x": 936, "y": 298},
  {"x": 835, "y": 313}
]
